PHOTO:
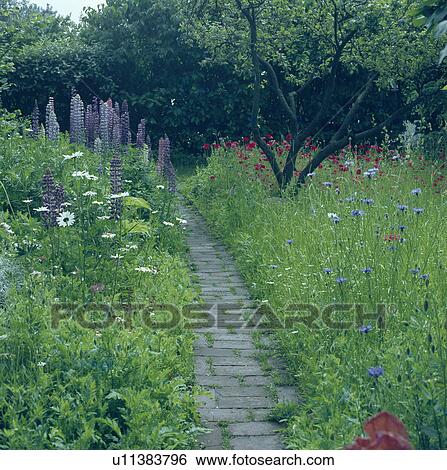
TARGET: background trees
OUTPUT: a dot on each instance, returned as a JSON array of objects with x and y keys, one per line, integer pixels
[{"x": 315, "y": 48}]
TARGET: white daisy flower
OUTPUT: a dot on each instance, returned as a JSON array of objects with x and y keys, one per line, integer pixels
[
  {"x": 90, "y": 194},
  {"x": 41, "y": 364},
  {"x": 116, "y": 257},
  {"x": 108, "y": 235},
  {"x": 42, "y": 209},
  {"x": 27, "y": 201},
  {"x": 119, "y": 195},
  {"x": 66, "y": 219},
  {"x": 181, "y": 221},
  {"x": 160, "y": 186},
  {"x": 79, "y": 174},
  {"x": 35, "y": 273},
  {"x": 98, "y": 203},
  {"x": 103, "y": 217},
  {"x": 144, "y": 269},
  {"x": 168, "y": 224}
]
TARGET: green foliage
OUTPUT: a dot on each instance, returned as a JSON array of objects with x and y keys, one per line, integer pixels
[
  {"x": 83, "y": 364},
  {"x": 282, "y": 247}
]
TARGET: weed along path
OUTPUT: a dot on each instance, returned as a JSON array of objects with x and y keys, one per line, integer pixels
[{"x": 241, "y": 391}]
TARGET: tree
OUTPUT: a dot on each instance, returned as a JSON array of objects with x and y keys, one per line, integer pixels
[{"x": 309, "y": 44}]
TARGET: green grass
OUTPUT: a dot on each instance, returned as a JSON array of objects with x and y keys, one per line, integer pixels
[{"x": 282, "y": 248}]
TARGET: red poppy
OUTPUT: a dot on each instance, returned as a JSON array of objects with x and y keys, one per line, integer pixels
[
  {"x": 212, "y": 177},
  {"x": 385, "y": 432},
  {"x": 206, "y": 146}
]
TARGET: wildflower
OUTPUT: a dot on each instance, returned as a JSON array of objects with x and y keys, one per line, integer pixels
[
  {"x": 103, "y": 217},
  {"x": 367, "y": 270},
  {"x": 328, "y": 184},
  {"x": 144, "y": 269},
  {"x": 42, "y": 209},
  {"x": 27, "y": 201},
  {"x": 66, "y": 219},
  {"x": 367, "y": 201},
  {"x": 311, "y": 175},
  {"x": 376, "y": 372},
  {"x": 334, "y": 217},
  {"x": 35, "y": 273},
  {"x": 358, "y": 213},
  {"x": 402, "y": 227},
  {"x": 416, "y": 192},
  {"x": 41, "y": 364},
  {"x": 116, "y": 257},
  {"x": 402, "y": 207},
  {"x": 349, "y": 199},
  {"x": 90, "y": 194},
  {"x": 160, "y": 186},
  {"x": 77, "y": 120},
  {"x": 79, "y": 174},
  {"x": 72, "y": 156},
  {"x": 108, "y": 235},
  {"x": 418, "y": 210},
  {"x": 6, "y": 227},
  {"x": 181, "y": 221},
  {"x": 365, "y": 329},
  {"x": 274, "y": 266},
  {"x": 289, "y": 242},
  {"x": 168, "y": 224},
  {"x": 327, "y": 270},
  {"x": 424, "y": 277},
  {"x": 98, "y": 203},
  {"x": 341, "y": 280}
]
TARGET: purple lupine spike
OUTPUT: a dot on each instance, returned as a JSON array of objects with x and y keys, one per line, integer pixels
[
  {"x": 104, "y": 127},
  {"x": 49, "y": 200},
  {"x": 96, "y": 118},
  {"x": 89, "y": 127},
  {"x": 109, "y": 103},
  {"x": 52, "y": 126},
  {"x": 116, "y": 186},
  {"x": 116, "y": 131},
  {"x": 77, "y": 120},
  {"x": 141, "y": 134},
  {"x": 161, "y": 157},
  {"x": 125, "y": 123},
  {"x": 59, "y": 197},
  {"x": 171, "y": 176},
  {"x": 97, "y": 148},
  {"x": 35, "y": 130}
]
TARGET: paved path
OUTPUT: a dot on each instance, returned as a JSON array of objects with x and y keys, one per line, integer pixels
[{"x": 240, "y": 390}]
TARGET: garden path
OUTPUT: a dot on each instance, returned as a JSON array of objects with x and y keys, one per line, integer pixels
[{"x": 234, "y": 362}]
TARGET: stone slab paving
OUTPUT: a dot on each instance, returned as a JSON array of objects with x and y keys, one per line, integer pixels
[{"x": 239, "y": 394}]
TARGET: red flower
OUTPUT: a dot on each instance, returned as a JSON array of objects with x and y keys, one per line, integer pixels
[
  {"x": 289, "y": 137},
  {"x": 216, "y": 146},
  {"x": 206, "y": 146},
  {"x": 212, "y": 177},
  {"x": 391, "y": 237},
  {"x": 358, "y": 171},
  {"x": 385, "y": 432},
  {"x": 245, "y": 139}
]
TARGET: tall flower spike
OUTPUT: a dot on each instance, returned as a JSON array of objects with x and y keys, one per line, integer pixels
[
  {"x": 97, "y": 148},
  {"x": 104, "y": 127},
  {"x": 77, "y": 134},
  {"x": 90, "y": 127},
  {"x": 149, "y": 148},
  {"x": 96, "y": 118},
  {"x": 125, "y": 123},
  {"x": 49, "y": 199},
  {"x": 35, "y": 130},
  {"x": 141, "y": 133},
  {"x": 52, "y": 126},
  {"x": 116, "y": 186},
  {"x": 116, "y": 130},
  {"x": 109, "y": 103}
]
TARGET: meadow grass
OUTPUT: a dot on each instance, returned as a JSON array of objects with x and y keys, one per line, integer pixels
[{"x": 352, "y": 240}]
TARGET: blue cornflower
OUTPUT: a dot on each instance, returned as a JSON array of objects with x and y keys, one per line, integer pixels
[
  {"x": 310, "y": 175},
  {"x": 402, "y": 227},
  {"x": 289, "y": 242},
  {"x": 392, "y": 248},
  {"x": 358, "y": 213},
  {"x": 349, "y": 199},
  {"x": 328, "y": 184},
  {"x": 370, "y": 173},
  {"x": 416, "y": 192},
  {"x": 367, "y": 270},
  {"x": 418, "y": 210},
  {"x": 415, "y": 270},
  {"x": 368, "y": 201},
  {"x": 334, "y": 217},
  {"x": 341, "y": 280},
  {"x": 365, "y": 329},
  {"x": 402, "y": 207},
  {"x": 424, "y": 277},
  {"x": 376, "y": 372},
  {"x": 327, "y": 270},
  {"x": 274, "y": 266}
]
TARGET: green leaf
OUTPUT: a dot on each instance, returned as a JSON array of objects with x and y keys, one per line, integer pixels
[
  {"x": 135, "y": 226},
  {"x": 137, "y": 202}
]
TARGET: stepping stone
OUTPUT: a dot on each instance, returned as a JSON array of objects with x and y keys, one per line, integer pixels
[
  {"x": 254, "y": 428},
  {"x": 256, "y": 443}
]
